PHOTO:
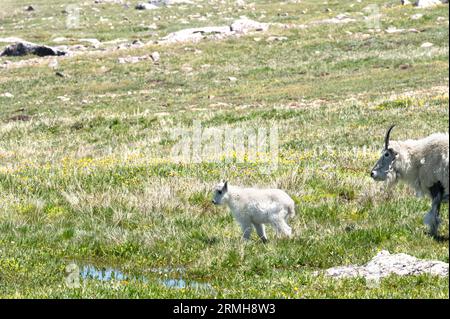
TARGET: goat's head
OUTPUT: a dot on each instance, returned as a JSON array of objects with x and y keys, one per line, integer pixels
[
  {"x": 220, "y": 192},
  {"x": 384, "y": 169}
]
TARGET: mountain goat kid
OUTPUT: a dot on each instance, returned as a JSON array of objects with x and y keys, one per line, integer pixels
[
  {"x": 253, "y": 207},
  {"x": 423, "y": 164}
]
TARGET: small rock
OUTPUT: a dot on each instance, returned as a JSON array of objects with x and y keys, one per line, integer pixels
[
  {"x": 404, "y": 66},
  {"x": 232, "y": 79},
  {"x": 273, "y": 38},
  {"x": 405, "y": 2},
  {"x": 94, "y": 42},
  {"x": 244, "y": 25},
  {"x": 132, "y": 59},
  {"x": 63, "y": 98},
  {"x": 146, "y": 6},
  {"x": 29, "y": 8},
  {"x": 7, "y": 94},
  {"x": 60, "y": 74},
  {"x": 394, "y": 30},
  {"x": 417, "y": 16},
  {"x": 155, "y": 56},
  {"x": 59, "y": 39},
  {"x": 426, "y": 45},
  {"x": 20, "y": 117}
]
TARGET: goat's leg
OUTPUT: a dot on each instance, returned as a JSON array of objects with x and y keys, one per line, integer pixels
[
  {"x": 247, "y": 229},
  {"x": 261, "y": 231},
  {"x": 432, "y": 219},
  {"x": 282, "y": 228}
]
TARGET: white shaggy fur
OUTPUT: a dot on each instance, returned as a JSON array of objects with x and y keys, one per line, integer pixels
[
  {"x": 256, "y": 207},
  {"x": 423, "y": 164}
]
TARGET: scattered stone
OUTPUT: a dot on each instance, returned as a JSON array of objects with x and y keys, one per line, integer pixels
[
  {"x": 155, "y": 56},
  {"x": 60, "y": 74},
  {"x": 137, "y": 43},
  {"x": 29, "y": 8},
  {"x": 152, "y": 26},
  {"x": 59, "y": 39},
  {"x": 339, "y": 19},
  {"x": 109, "y": 1},
  {"x": 273, "y": 38},
  {"x": 405, "y": 66},
  {"x": 195, "y": 34},
  {"x": 171, "y": 2},
  {"x": 417, "y": 16},
  {"x": 7, "y": 94},
  {"x": 24, "y": 48},
  {"x": 245, "y": 25},
  {"x": 132, "y": 59},
  {"x": 394, "y": 30},
  {"x": 405, "y": 2},
  {"x": 238, "y": 27},
  {"x": 384, "y": 264},
  {"x": 426, "y": 45},
  {"x": 232, "y": 79},
  {"x": 20, "y": 117},
  {"x": 63, "y": 98},
  {"x": 145, "y": 6},
  {"x": 95, "y": 43}
]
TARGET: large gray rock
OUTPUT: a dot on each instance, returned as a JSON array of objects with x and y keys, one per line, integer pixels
[
  {"x": 24, "y": 48},
  {"x": 245, "y": 25},
  {"x": 384, "y": 264},
  {"x": 196, "y": 34},
  {"x": 237, "y": 28},
  {"x": 427, "y": 3}
]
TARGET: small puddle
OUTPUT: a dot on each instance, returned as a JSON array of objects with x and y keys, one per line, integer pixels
[{"x": 108, "y": 274}]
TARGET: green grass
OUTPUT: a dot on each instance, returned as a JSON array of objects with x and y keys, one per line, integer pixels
[{"x": 89, "y": 180}]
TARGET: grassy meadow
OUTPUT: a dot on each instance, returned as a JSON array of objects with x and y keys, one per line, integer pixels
[{"x": 86, "y": 175}]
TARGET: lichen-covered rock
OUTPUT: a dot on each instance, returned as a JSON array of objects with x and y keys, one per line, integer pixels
[
  {"x": 245, "y": 25},
  {"x": 196, "y": 34},
  {"x": 384, "y": 264},
  {"x": 237, "y": 28}
]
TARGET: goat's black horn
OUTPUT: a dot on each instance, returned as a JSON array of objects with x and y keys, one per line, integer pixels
[{"x": 386, "y": 138}]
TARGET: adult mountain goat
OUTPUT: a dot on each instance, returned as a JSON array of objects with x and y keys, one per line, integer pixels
[
  {"x": 423, "y": 164},
  {"x": 253, "y": 207}
]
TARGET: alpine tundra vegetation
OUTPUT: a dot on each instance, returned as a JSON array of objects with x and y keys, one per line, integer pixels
[{"x": 86, "y": 177}]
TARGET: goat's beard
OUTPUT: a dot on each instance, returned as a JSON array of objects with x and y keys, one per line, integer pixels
[{"x": 392, "y": 178}]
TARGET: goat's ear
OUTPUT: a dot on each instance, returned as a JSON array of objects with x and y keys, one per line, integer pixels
[{"x": 225, "y": 186}]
